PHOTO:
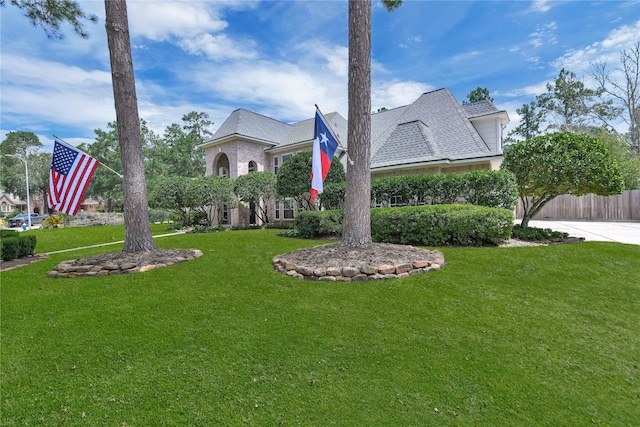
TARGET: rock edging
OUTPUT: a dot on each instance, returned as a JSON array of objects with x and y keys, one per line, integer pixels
[
  {"x": 359, "y": 273},
  {"x": 67, "y": 269}
]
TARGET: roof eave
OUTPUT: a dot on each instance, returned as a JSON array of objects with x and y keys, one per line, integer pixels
[
  {"x": 280, "y": 148},
  {"x": 502, "y": 115},
  {"x": 234, "y": 136},
  {"x": 427, "y": 163}
]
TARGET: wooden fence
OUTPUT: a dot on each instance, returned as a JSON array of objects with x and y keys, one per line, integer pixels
[{"x": 622, "y": 207}]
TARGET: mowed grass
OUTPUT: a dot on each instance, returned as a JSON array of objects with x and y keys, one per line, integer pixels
[
  {"x": 53, "y": 239},
  {"x": 499, "y": 337}
]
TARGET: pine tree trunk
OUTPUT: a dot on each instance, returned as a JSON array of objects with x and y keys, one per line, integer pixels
[
  {"x": 357, "y": 219},
  {"x": 137, "y": 230}
]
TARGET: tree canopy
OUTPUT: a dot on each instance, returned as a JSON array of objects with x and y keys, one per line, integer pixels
[
  {"x": 257, "y": 188},
  {"x": 561, "y": 163},
  {"x": 294, "y": 178},
  {"x": 49, "y": 15},
  {"x": 478, "y": 94},
  {"x": 27, "y": 146}
]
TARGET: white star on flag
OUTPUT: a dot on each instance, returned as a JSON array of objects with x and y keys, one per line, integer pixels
[{"x": 324, "y": 139}]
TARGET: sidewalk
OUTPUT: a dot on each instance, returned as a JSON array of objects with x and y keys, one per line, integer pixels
[{"x": 620, "y": 232}]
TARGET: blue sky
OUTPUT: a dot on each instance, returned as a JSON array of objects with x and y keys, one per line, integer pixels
[{"x": 281, "y": 58}]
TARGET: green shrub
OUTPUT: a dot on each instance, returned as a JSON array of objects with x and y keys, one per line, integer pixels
[
  {"x": 279, "y": 225},
  {"x": 292, "y": 232},
  {"x": 53, "y": 221},
  {"x": 17, "y": 247},
  {"x": 246, "y": 227},
  {"x": 4, "y": 234},
  {"x": 159, "y": 215},
  {"x": 332, "y": 196},
  {"x": 495, "y": 189},
  {"x": 310, "y": 224},
  {"x": 535, "y": 234},
  {"x": 440, "y": 225}
]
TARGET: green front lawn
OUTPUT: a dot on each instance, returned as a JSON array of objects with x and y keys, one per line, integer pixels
[{"x": 501, "y": 336}]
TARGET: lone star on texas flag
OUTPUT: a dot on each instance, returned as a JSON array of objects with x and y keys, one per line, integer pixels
[{"x": 325, "y": 140}]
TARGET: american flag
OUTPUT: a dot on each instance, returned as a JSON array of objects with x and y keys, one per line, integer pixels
[{"x": 71, "y": 172}]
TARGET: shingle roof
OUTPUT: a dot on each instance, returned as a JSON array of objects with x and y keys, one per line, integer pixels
[
  {"x": 434, "y": 127},
  {"x": 303, "y": 131},
  {"x": 246, "y": 123},
  {"x": 479, "y": 108},
  {"x": 445, "y": 133}
]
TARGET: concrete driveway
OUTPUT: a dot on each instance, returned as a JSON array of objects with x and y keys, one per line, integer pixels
[{"x": 620, "y": 232}]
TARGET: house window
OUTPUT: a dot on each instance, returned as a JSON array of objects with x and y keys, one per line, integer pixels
[
  {"x": 221, "y": 166},
  {"x": 277, "y": 209},
  {"x": 398, "y": 201},
  {"x": 225, "y": 214},
  {"x": 286, "y": 157},
  {"x": 252, "y": 166},
  {"x": 5, "y": 207},
  {"x": 275, "y": 164},
  {"x": 288, "y": 208}
]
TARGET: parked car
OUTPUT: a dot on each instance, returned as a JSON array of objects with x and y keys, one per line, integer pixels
[{"x": 19, "y": 220}]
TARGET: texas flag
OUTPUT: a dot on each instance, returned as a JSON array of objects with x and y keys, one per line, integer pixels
[{"x": 325, "y": 144}]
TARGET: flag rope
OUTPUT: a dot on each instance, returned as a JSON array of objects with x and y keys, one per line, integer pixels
[
  {"x": 65, "y": 142},
  {"x": 334, "y": 134}
]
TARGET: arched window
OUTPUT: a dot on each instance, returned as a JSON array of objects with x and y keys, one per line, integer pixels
[
  {"x": 221, "y": 166},
  {"x": 252, "y": 166}
]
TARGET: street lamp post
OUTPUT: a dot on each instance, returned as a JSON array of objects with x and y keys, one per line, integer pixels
[{"x": 26, "y": 171}]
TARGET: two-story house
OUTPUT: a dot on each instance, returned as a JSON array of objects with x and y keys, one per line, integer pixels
[{"x": 434, "y": 134}]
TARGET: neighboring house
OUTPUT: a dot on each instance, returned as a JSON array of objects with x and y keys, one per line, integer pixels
[
  {"x": 435, "y": 134},
  {"x": 89, "y": 206},
  {"x": 10, "y": 202}
]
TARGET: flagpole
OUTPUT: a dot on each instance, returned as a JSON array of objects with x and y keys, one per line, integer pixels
[
  {"x": 65, "y": 142},
  {"x": 334, "y": 134}
]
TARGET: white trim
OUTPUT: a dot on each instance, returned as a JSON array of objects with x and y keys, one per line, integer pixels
[
  {"x": 234, "y": 137},
  {"x": 447, "y": 162}
]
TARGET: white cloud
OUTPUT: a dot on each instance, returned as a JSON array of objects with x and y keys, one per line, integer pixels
[
  {"x": 395, "y": 93},
  {"x": 218, "y": 47},
  {"x": 540, "y": 6},
  {"x": 467, "y": 56},
  {"x": 544, "y": 35},
  {"x": 196, "y": 27},
  {"x": 160, "y": 20},
  {"x": 55, "y": 92},
  {"x": 288, "y": 90},
  {"x": 580, "y": 60},
  {"x": 528, "y": 91}
]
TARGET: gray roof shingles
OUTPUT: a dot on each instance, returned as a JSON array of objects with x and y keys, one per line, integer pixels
[{"x": 434, "y": 127}]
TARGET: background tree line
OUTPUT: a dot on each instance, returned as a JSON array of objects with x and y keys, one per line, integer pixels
[
  {"x": 175, "y": 153},
  {"x": 598, "y": 110}
]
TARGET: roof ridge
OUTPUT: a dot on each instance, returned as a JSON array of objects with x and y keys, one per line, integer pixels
[{"x": 466, "y": 120}]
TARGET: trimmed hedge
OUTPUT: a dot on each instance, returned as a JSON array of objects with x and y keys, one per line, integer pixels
[
  {"x": 4, "y": 234},
  {"x": 439, "y": 225},
  {"x": 536, "y": 234},
  {"x": 496, "y": 189},
  {"x": 17, "y": 247}
]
